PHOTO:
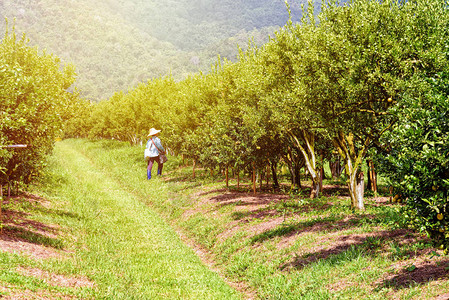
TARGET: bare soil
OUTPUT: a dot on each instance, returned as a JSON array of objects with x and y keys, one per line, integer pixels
[
  {"x": 413, "y": 269},
  {"x": 21, "y": 234}
]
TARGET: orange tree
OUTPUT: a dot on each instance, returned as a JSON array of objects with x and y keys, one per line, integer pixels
[
  {"x": 227, "y": 136},
  {"x": 355, "y": 65},
  {"x": 245, "y": 133},
  {"x": 286, "y": 110},
  {"x": 416, "y": 160},
  {"x": 185, "y": 114},
  {"x": 342, "y": 81},
  {"x": 250, "y": 119},
  {"x": 34, "y": 103},
  {"x": 129, "y": 116},
  {"x": 251, "y": 127},
  {"x": 76, "y": 118}
]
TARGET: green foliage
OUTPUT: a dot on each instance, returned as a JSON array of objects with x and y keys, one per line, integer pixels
[
  {"x": 33, "y": 106},
  {"x": 417, "y": 162}
]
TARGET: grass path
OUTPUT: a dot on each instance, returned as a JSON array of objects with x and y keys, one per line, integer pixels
[
  {"x": 121, "y": 244},
  {"x": 116, "y": 235}
]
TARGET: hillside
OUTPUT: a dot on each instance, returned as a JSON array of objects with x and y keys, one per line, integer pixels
[{"x": 116, "y": 44}]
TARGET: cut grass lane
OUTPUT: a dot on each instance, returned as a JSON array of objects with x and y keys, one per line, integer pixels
[{"x": 126, "y": 248}]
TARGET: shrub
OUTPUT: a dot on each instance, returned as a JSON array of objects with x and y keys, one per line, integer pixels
[{"x": 417, "y": 162}]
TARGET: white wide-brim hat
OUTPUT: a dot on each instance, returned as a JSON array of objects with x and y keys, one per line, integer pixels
[{"x": 153, "y": 132}]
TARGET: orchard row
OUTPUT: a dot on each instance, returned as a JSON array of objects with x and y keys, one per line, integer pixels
[
  {"x": 34, "y": 105},
  {"x": 363, "y": 80}
]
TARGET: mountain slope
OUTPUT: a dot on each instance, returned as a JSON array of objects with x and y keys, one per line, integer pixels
[
  {"x": 115, "y": 44},
  {"x": 193, "y": 25}
]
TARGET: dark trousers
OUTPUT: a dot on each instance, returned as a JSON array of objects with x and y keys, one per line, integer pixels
[{"x": 150, "y": 166}]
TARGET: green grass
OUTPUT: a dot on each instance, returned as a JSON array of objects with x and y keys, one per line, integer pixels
[
  {"x": 117, "y": 240},
  {"x": 23, "y": 285},
  {"x": 121, "y": 239}
]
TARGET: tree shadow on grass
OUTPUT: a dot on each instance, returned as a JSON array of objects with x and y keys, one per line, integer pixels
[
  {"x": 187, "y": 180},
  {"x": 335, "y": 190},
  {"x": 181, "y": 178},
  {"x": 248, "y": 206},
  {"x": 348, "y": 247},
  {"x": 416, "y": 274},
  {"x": 18, "y": 226},
  {"x": 296, "y": 204},
  {"x": 319, "y": 224},
  {"x": 245, "y": 199},
  {"x": 36, "y": 204},
  {"x": 261, "y": 201},
  {"x": 19, "y": 234},
  {"x": 30, "y": 202}
]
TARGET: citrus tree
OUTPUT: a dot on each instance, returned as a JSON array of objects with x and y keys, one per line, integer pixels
[
  {"x": 355, "y": 64},
  {"x": 285, "y": 101},
  {"x": 34, "y": 103},
  {"x": 417, "y": 160}
]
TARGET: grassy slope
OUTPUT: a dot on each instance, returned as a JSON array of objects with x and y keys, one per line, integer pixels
[
  {"x": 315, "y": 249},
  {"x": 117, "y": 241},
  {"x": 279, "y": 247}
]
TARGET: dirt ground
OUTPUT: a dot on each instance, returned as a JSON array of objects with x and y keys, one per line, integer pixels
[
  {"x": 259, "y": 206},
  {"x": 23, "y": 235}
]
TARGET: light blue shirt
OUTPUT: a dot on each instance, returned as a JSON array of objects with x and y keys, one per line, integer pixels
[{"x": 153, "y": 150}]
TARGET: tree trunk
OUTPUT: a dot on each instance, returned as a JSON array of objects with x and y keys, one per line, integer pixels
[
  {"x": 356, "y": 189},
  {"x": 193, "y": 170},
  {"x": 372, "y": 178},
  {"x": 298, "y": 167},
  {"x": 335, "y": 168},
  {"x": 268, "y": 174},
  {"x": 314, "y": 193},
  {"x": 238, "y": 177},
  {"x": 274, "y": 174},
  {"x": 227, "y": 177},
  {"x": 290, "y": 161},
  {"x": 254, "y": 178},
  {"x": 360, "y": 189},
  {"x": 369, "y": 183},
  {"x": 315, "y": 187},
  {"x": 1, "y": 203},
  {"x": 321, "y": 171},
  {"x": 295, "y": 169},
  {"x": 308, "y": 153},
  {"x": 353, "y": 161}
]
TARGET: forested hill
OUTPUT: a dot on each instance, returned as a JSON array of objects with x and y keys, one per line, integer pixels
[{"x": 115, "y": 44}]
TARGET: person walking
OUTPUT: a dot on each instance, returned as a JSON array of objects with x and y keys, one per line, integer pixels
[{"x": 153, "y": 151}]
